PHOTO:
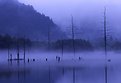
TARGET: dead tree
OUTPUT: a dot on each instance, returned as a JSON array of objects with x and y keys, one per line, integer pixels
[
  {"x": 105, "y": 32},
  {"x": 48, "y": 37},
  {"x": 105, "y": 44},
  {"x": 73, "y": 34}
]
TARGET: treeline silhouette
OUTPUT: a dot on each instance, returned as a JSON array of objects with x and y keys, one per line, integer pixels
[
  {"x": 6, "y": 41},
  {"x": 67, "y": 44},
  {"x": 80, "y": 45},
  {"x": 116, "y": 45}
]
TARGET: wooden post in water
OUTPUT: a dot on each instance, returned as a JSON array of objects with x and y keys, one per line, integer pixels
[
  {"x": 11, "y": 59},
  {"x": 105, "y": 44},
  {"x": 62, "y": 42},
  {"x": 8, "y": 46},
  {"x": 24, "y": 49},
  {"x": 8, "y": 52},
  {"x": 18, "y": 57},
  {"x": 73, "y": 35}
]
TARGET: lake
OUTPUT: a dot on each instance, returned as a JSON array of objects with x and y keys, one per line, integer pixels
[{"x": 42, "y": 67}]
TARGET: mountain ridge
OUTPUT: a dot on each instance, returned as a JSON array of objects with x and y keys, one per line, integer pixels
[{"x": 18, "y": 19}]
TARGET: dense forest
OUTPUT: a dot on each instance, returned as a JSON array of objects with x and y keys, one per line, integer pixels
[
  {"x": 70, "y": 45},
  {"x": 7, "y": 41},
  {"x": 18, "y": 19}
]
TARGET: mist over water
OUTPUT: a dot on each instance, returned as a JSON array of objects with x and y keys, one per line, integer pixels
[{"x": 90, "y": 69}]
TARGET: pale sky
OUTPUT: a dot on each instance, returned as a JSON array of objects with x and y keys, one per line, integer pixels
[
  {"x": 61, "y": 10},
  {"x": 89, "y": 12}
]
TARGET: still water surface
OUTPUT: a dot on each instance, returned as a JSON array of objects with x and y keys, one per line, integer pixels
[{"x": 90, "y": 69}]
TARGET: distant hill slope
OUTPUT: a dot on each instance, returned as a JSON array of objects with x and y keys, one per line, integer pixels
[{"x": 18, "y": 19}]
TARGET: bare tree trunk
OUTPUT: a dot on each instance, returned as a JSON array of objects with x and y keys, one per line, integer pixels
[
  {"x": 105, "y": 44},
  {"x": 73, "y": 35},
  {"x": 48, "y": 37}
]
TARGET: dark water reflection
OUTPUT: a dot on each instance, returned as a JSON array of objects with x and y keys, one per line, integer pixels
[
  {"x": 32, "y": 72},
  {"x": 36, "y": 72}
]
